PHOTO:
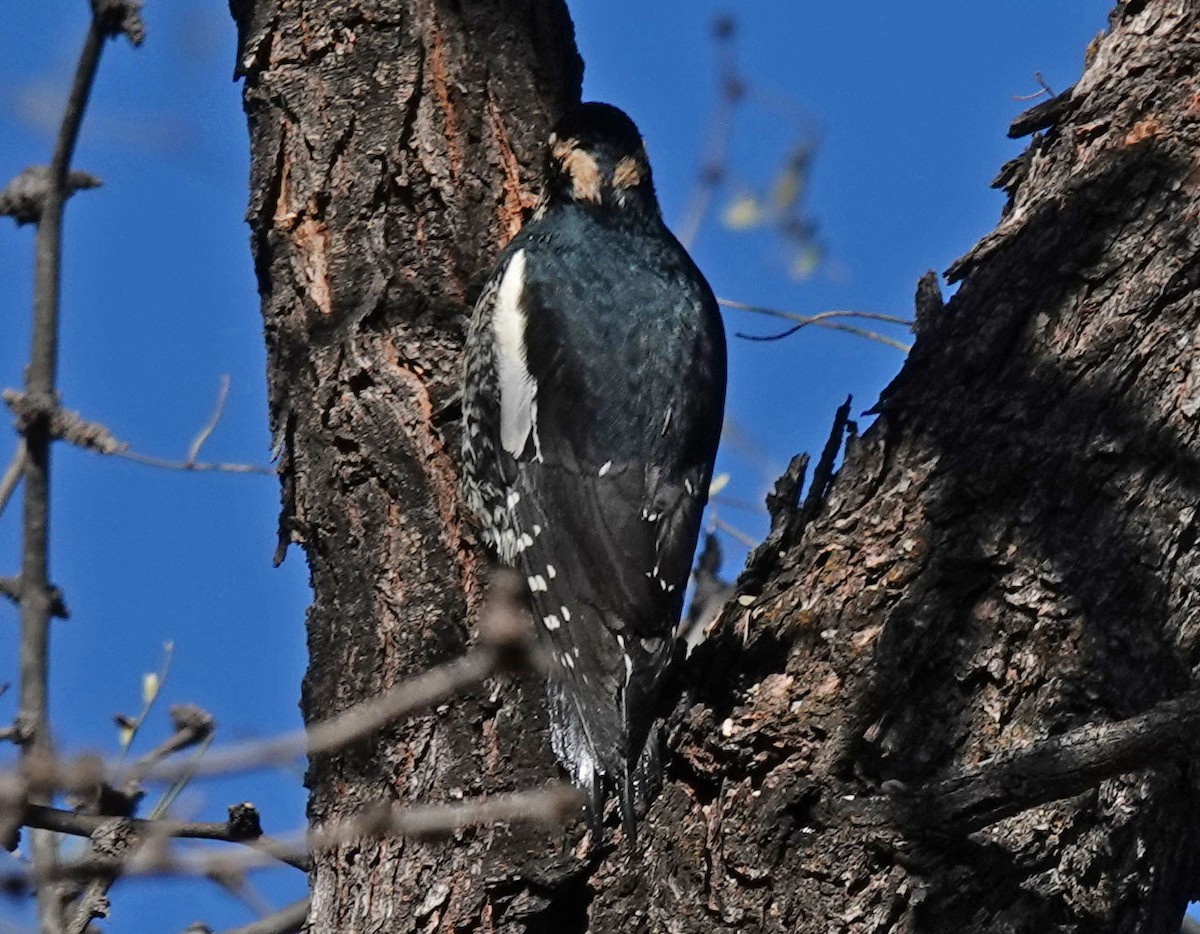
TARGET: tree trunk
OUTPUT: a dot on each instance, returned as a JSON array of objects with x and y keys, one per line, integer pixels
[
  {"x": 1004, "y": 561},
  {"x": 394, "y": 153}
]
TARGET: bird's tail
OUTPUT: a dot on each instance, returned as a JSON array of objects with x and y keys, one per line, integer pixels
[{"x": 603, "y": 744}]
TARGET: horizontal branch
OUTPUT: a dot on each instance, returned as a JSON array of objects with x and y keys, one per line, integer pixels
[
  {"x": 1051, "y": 769},
  {"x": 227, "y": 831},
  {"x": 284, "y": 921},
  {"x": 70, "y": 426},
  {"x": 505, "y": 644},
  {"x": 551, "y": 806},
  {"x": 165, "y": 463},
  {"x": 825, "y": 319},
  {"x": 338, "y": 732}
]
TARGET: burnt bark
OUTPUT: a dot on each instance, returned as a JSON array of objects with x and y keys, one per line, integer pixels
[{"x": 1006, "y": 559}]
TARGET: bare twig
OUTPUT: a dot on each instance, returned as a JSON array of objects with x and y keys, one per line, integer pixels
[
  {"x": 733, "y": 532},
  {"x": 505, "y": 644},
  {"x": 1044, "y": 89},
  {"x": 833, "y": 326},
  {"x": 285, "y": 921},
  {"x": 10, "y": 588},
  {"x": 238, "y": 886},
  {"x": 70, "y": 426},
  {"x": 199, "y": 466},
  {"x": 84, "y": 825},
  {"x": 814, "y": 319},
  {"x": 549, "y": 806},
  {"x": 132, "y": 727},
  {"x": 732, "y": 90},
  {"x": 41, "y": 378},
  {"x": 346, "y": 728},
  {"x": 177, "y": 786},
  {"x": 210, "y": 426},
  {"x": 12, "y": 475},
  {"x": 731, "y": 502},
  {"x": 824, "y": 319},
  {"x": 192, "y": 726}
]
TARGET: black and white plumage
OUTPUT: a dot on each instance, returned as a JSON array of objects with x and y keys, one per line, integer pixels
[{"x": 592, "y": 404}]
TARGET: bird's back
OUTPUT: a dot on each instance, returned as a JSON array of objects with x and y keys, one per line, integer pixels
[{"x": 592, "y": 407}]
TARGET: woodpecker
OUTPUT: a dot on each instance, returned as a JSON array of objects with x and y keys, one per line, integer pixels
[{"x": 592, "y": 404}]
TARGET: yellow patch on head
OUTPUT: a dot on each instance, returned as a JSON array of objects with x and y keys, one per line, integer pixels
[
  {"x": 581, "y": 167},
  {"x": 627, "y": 174}
]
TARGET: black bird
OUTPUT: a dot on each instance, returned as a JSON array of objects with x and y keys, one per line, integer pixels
[{"x": 592, "y": 406}]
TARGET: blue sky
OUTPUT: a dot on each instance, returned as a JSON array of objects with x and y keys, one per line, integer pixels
[{"x": 908, "y": 104}]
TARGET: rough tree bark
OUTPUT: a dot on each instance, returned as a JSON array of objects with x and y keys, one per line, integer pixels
[{"x": 1007, "y": 555}]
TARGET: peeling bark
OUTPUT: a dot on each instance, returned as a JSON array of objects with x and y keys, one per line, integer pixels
[{"x": 1008, "y": 554}]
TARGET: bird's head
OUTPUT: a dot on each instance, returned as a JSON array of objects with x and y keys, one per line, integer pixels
[{"x": 596, "y": 157}]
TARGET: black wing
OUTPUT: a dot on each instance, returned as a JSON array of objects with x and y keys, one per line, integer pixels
[{"x": 613, "y": 479}]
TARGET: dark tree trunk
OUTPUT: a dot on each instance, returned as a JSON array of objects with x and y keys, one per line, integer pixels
[
  {"x": 394, "y": 147},
  {"x": 1007, "y": 555}
]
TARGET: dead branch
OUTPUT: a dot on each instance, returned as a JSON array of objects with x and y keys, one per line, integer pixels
[
  {"x": 1048, "y": 770},
  {"x": 70, "y": 426},
  {"x": 505, "y": 646},
  {"x": 211, "y": 424},
  {"x": 233, "y": 830},
  {"x": 284, "y": 921},
  {"x": 37, "y": 597},
  {"x": 12, "y": 475},
  {"x": 199, "y": 466},
  {"x": 824, "y": 319},
  {"x": 732, "y": 90},
  {"x": 549, "y": 806},
  {"x": 1066, "y": 765}
]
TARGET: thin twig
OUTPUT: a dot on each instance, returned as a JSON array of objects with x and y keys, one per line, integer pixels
[
  {"x": 833, "y": 326},
  {"x": 41, "y": 378},
  {"x": 505, "y": 645},
  {"x": 549, "y": 806},
  {"x": 70, "y": 426},
  {"x": 147, "y": 701},
  {"x": 285, "y": 921},
  {"x": 358, "y": 722},
  {"x": 177, "y": 786},
  {"x": 193, "y": 726},
  {"x": 825, "y": 319},
  {"x": 239, "y": 886},
  {"x": 743, "y": 505},
  {"x": 12, "y": 475},
  {"x": 813, "y": 319},
  {"x": 733, "y": 532},
  {"x": 199, "y": 466},
  {"x": 1045, "y": 90},
  {"x": 210, "y": 426},
  {"x": 84, "y": 825},
  {"x": 732, "y": 90}
]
